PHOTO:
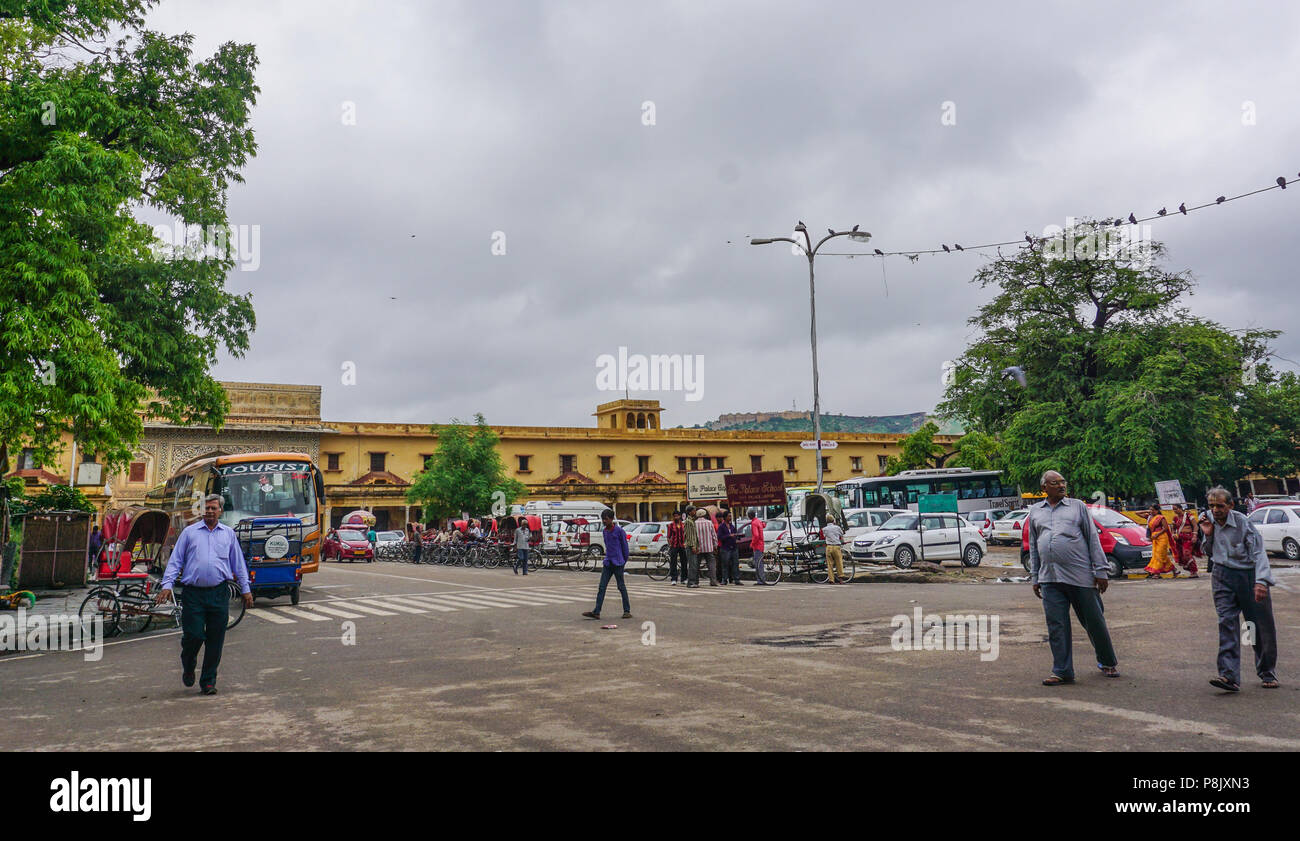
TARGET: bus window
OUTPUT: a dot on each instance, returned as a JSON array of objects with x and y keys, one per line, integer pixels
[{"x": 914, "y": 490}]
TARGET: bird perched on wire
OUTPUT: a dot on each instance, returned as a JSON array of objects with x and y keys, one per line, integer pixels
[
  {"x": 855, "y": 229},
  {"x": 958, "y": 246},
  {"x": 1161, "y": 212},
  {"x": 830, "y": 231},
  {"x": 1132, "y": 220},
  {"x": 1182, "y": 208},
  {"x": 1014, "y": 372},
  {"x": 1028, "y": 238},
  {"x": 879, "y": 252},
  {"x": 1220, "y": 199},
  {"x": 1281, "y": 182},
  {"x": 947, "y": 249}
]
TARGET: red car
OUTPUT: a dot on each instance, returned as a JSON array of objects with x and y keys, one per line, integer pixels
[
  {"x": 348, "y": 545},
  {"x": 1124, "y": 541}
]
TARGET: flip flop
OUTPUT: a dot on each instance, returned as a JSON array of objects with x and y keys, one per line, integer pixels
[
  {"x": 608, "y": 627},
  {"x": 1269, "y": 684},
  {"x": 1109, "y": 671},
  {"x": 1223, "y": 683},
  {"x": 1056, "y": 680}
]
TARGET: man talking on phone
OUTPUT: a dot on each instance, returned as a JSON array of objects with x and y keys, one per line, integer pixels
[{"x": 1240, "y": 579}]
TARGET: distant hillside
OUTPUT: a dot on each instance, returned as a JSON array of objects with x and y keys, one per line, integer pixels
[{"x": 802, "y": 421}]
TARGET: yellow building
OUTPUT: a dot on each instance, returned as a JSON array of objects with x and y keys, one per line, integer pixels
[{"x": 626, "y": 459}]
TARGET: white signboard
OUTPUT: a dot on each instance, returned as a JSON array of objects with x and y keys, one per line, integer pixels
[
  {"x": 90, "y": 473},
  {"x": 706, "y": 484},
  {"x": 1170, "y": 492},
  {"x": 826, "y": 445}
]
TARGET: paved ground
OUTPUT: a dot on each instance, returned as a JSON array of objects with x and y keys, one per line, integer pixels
[{"x": 481, "y": 659}]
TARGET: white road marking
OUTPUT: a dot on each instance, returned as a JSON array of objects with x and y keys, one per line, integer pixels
[
  {"x": 265, "y": 613},
  {"x": 368, "y": 609},
  {"x": 418, "y": 601},
  {"x": 332, "y": 611},
  {"x": 402, "y": 607},
  {"x": 471, "y": 602},
  {"x": 302, "y": 614}
]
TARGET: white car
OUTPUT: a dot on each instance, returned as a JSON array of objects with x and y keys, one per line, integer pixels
[
  {"x": 1010, "y": 529},
  {"x": 779, "y": 530},
  {"x": 984, "y": 519},
  {"x": 898, "y": 541},
  {"x": 1279, "y": 525},
  {"x": 865, "y": 520},
  {"x": 648, "y": 538},
  {"x": 383, "y": 537}
]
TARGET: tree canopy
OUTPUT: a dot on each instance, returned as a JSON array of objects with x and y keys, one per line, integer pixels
[
  {"x": 465, "y": 473},
  {"x": 1123, "y": 387},
  {"x": 94, "y": 325}
]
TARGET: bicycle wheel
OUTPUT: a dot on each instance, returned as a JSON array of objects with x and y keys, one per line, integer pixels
[
  {"x": 772, "y": 570},
  {"x": 101, "y": 603},
  {"x": 656, "y": 567},
  {"x": 850, "y": 568},
  {"x": 536, "y": 560},
  {"x": 234, "y": 606},
  {"x": 136, "y": 605},
  {"x": 491, "y": 557}
]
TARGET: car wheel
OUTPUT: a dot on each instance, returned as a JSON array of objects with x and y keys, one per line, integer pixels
[
  {"x": 1291, "y": 549},
  {"x": 904, "y": 557},
  {"x": 1115, "y": 568},
  {"x": 972, "y": 556},
  {"x": 1024, "y": 559}
]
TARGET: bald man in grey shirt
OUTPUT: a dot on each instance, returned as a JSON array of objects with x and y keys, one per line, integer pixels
[
  {"x": 1240, "y": 578},
  {"x": 1069, "y": 569}
]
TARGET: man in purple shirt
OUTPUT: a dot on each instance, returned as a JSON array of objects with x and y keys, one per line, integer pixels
[
  {"x": 615, "y": 561},
  {"x": 206, "y": 558}
]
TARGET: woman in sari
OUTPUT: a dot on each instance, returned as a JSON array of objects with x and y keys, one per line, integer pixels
[
  {"x": 1158, "y": 528},
  {"x": 1184, "y": 540}
]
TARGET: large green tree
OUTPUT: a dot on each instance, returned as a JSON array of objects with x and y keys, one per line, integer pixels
[
  {"x": 918, "y": 451},
  {"x": 102, "y": 119},
  {"x": 1122, "y": 386},
  {"x": 465, "y": 473}
]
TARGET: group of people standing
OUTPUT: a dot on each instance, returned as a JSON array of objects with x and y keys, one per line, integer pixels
[
  {"x": 694, "y": 539},
  {"x": 1069, "y": 570}
]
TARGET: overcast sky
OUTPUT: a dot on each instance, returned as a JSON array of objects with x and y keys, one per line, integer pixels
[{"x": 530, "y": 119}]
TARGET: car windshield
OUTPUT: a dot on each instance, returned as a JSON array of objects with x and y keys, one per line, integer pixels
[
  {"x": 900, "y": 522},
  {"x": 1111, "y": 519},
  {"x": 270, "y": 489},
  {"x": 352, "y": 536}
]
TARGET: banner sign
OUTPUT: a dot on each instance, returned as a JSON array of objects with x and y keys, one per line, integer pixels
[
  {"x": 707, "y": 484},
  {"x": 749, "y": 489}
]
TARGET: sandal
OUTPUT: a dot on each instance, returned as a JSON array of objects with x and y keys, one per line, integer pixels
[
  {"x": 1269, "y": 684},
  {"x": 1056, "y": 680},
  {"x": 1223, "y": 683},
  {"x": 1109, "y": 671}
]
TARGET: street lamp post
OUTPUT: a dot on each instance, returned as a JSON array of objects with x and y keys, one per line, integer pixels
[{"x": 810, "y": 251}]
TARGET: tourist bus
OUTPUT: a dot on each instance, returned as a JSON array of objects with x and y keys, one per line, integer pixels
[
  {"x": 975, "y": 489},
  {"x": 251, "y": 485}
]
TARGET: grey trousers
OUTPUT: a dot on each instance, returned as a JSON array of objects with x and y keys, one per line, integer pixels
[
  {"x": 1234, "y": 596},
  {"x": 692, "y": 567},
  {"x": 711, "y": 561},
  {"x": 1086, "y": 601}
]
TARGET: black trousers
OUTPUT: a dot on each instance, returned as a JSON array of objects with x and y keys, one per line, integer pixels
[
  {"x": 204, "y": 613},
  {"x": 1086, "y": 601},
  {"x": 676, "y": 557}
]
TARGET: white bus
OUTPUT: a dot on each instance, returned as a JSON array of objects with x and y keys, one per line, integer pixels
[{"x": 975, "y": 489}]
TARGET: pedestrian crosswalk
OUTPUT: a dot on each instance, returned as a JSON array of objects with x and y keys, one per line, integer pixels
[{"x": 334, "y": 608}]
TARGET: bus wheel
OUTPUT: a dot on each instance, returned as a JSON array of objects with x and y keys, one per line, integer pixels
[
  {"x": 294, "y": 594},
  {"x": 904, "y": 557}
]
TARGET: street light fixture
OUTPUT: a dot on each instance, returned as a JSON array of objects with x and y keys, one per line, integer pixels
[{"x": 810, "y": 251}]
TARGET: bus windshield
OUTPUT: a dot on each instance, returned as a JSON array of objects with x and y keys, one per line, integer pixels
[{"x": 266, "y": 489}]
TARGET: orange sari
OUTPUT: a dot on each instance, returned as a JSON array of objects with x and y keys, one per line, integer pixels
[{"x": 1161, "y": 560}]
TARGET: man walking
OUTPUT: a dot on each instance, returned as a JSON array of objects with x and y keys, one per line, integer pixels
[
  {"x": 206, "y": 558},
  {"x": 615, "y": 561},
  {"x": 1240, "y": 578},
  {"x": 676, "y": 548},
  {"x": 692, "y": 548},
  {"x": 707, "y": 536},
  {"x": 1068, "y": 568},
  {"x": 834, "y": 537},
  {"x": 756, "y": 543}
]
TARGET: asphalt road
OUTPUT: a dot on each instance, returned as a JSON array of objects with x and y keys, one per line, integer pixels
[{"x": 470, "y": 659}]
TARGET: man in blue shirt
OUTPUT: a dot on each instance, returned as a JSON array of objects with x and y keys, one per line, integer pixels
[
  {"x": 615, "y": 561},
  {"x": 206, "y": 558}
]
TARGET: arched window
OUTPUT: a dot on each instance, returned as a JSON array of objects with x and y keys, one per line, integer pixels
[
  {"x": 654, "y": 423},
  {"x": 631, "y": 421}
]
